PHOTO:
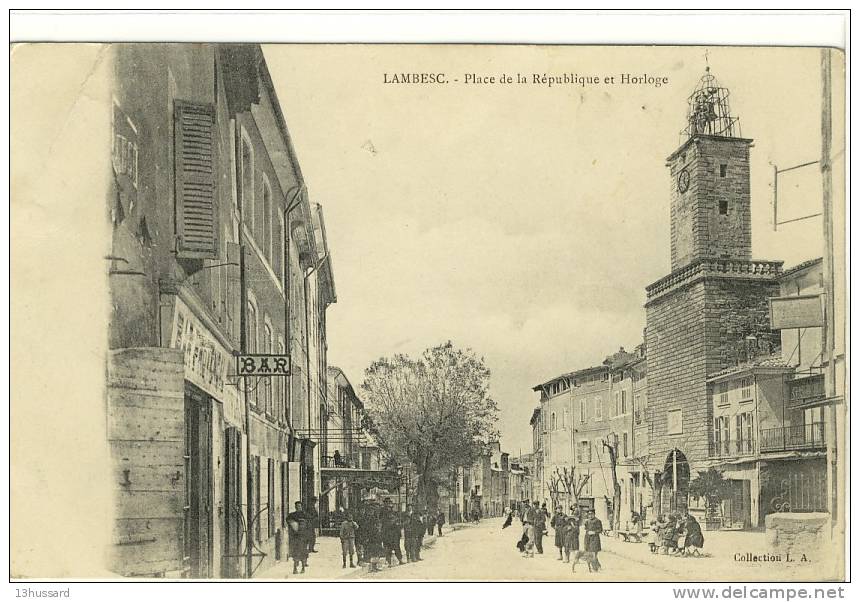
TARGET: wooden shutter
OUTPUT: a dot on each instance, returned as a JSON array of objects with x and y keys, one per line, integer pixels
[{"x": 194, "y": 156}]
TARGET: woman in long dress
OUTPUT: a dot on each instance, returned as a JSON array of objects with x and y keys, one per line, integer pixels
[
  {"x": 695, "y": 539},
  {"x": 298, "y": 524},
  {"x": 593, "y": 530},
  {"x": 558, "y": 521}
]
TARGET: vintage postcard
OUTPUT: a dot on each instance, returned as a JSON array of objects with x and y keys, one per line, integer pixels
[{"x": 428, "y": 312}]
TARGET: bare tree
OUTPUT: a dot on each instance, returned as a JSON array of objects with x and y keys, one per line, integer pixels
[{"x": 612, "y": 446}]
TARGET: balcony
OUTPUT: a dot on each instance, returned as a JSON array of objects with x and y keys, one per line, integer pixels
[
  {"x": 338, "y": 462},
  {"x": 805, "y": 437}
]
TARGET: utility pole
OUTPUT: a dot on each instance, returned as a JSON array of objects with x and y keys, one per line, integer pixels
[{"x": 828, "y": 332}]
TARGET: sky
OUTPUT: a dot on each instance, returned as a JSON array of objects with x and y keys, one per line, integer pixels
[{"x": 523, "y": 221}]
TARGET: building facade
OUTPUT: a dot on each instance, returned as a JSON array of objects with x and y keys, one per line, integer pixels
[
  {"x": 770, "y": 413},
  {"x": 216, "y": 251}
]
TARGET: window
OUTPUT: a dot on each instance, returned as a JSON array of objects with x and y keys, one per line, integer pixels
[
  {"x": 279, "y": 255},
  {"x": 582, "y": 411},
  {"x": 746, "y": 388},
  {"x": 227, "y": 290},
  {"x": 246, "y": 182},
  {"x": 251, "y": 343},
  {"x": 616, "y": 407},
  {"x": 281, "y": 387},
  {"x": 723, "y": 393},
  {"x": 723, "y": 167},
  {"x": 252, "y": 327},
  {"x": 552, "y": 424},
  {"x": 724, "y": 207},
  {"x": 624, "y": 402},
  {"x": 721, "y": 435},
  {"x": 598, "y": 409},
  {"x": 255, "y": 494},
  {"x": 624, "y": 449},
  {"x": 564, "y": 419},
  {"x": 271, "y": 496},
  {"x": 674, "y": 422},
  {"x": 744, "y": 432},
  {"x": 584, "y": 452},
  {"x": 267, "y": 220},
  {"x": 267, "y": 382}
]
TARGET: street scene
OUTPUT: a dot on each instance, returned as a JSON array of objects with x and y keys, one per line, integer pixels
[{"x": 493, "y": 313}]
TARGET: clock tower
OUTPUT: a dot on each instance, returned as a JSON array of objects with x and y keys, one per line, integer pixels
[
  {"x": 715, "y": 299},
  {"x": 710, "y": 182}
]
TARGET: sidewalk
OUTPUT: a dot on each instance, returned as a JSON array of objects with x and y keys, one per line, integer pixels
[
  {"x": 327, "y": 563},
  {"x": 727, "y": 556}
]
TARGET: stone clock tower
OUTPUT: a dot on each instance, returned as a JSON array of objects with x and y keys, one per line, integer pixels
[
  {"x": 710, "y": 175},
  {"x": 714, "y": 300}
]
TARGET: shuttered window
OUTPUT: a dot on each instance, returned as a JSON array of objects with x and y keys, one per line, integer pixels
[{"x": 194, "y": 156}]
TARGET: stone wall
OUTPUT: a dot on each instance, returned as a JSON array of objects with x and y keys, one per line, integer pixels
[{"x": 698, "y": 228}]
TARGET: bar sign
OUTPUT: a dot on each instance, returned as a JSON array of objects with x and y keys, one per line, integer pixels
[{"x": 262, "y": 364}]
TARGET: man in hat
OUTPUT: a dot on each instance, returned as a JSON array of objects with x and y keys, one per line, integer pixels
[
  {"x": 391, "y": 528},
  {"x": 313, "y": 522},
  {"x": 413, "y": 530}
]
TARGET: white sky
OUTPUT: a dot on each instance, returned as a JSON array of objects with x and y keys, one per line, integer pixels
[{"x": 522, "y": 221}]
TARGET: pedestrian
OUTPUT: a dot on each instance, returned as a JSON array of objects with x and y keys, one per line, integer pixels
[
  {"x": 429, "y": 521},
  {"x": 348, "y": 529},
  {"x": 593, "y": 530},
  {"x": 508, "y": 520},
  {"x": 695, "y": 539},
  {"x": 413, "y": 529},
  {"x": 313, "y": 522},
  {"x": 298, "y": 545},
  {"x": 373, "y": 549},
  {"x": 529, "y": 519},
  {"x": 667, "y": 535},
  {"x": 360, "y": 533},
  {"x": 654, "y": 537},
  {"x": 540, "y": 527},
  {"x": 440, "y": 520},
  {"x": 557, "y": 523},
  {"x": 391, "y": 529},
  {"x": 570, "y": 536}
]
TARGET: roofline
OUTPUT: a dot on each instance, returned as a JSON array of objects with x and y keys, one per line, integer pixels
[
  {"x": 572, "y": 374},
  {"x": 751, "y": 370},
  {"x": 801, "y": 266}
]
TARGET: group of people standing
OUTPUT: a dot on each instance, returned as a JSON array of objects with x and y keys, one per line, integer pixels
[
  {"x": 568, "y": 529},
  {"x": 677, "y": 533},
  {"x": 374, "y": 533}
]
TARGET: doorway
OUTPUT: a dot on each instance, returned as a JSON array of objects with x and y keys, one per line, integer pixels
[{"x": 198, "y": 484}]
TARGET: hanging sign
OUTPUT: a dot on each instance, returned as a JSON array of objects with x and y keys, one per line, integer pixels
[
  {"x": 799, "y": 311},
  {"x": 262, "y": 364}
]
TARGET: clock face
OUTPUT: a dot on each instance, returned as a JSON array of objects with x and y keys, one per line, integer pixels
[{"x": 683, "y": 181}]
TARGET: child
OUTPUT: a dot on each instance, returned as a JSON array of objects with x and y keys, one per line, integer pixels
[
  {"x": 653, "y": 536},
  {"x": 667, "y": 536},
  {"x": 347, "y": 539}
]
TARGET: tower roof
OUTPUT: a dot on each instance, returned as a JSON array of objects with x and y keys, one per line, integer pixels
[{"x": 708, "y": 110}]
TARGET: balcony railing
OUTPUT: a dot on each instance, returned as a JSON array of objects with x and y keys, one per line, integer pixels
[
  {"x": 805, "y": 437},
  {"x": 793, "y": 438},
  {"x": 337, "y": 462}
]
